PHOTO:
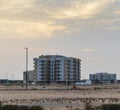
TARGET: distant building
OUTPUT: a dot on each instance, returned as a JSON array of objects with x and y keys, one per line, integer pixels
[
  {"x": 57, "y": 68},
  {"x": 30, "y": 76},
  {"x": 84, "y": 82},
  {"x": 102, "y": 77}
]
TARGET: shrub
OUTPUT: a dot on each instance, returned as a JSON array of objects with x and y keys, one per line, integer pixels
[
  {"x": 23, "y": 107},
  {"x": 16, "y": 107},
  {"x": 36, "y": 108},
  {"x": 0, "y": 105},
  {"x": 10, "y": 107},
  {"x": 88, "y": 106},
  {"x": 110, "y": 107}
]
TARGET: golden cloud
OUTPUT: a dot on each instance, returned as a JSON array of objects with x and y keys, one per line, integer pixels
[
  {"x": 29, "y": 19},
  {"x": 83, "y": 10},
  {"x": 117, "y": 12},
  {"x": 30, "y": 29},
  {"x": 88, "y": 50}
]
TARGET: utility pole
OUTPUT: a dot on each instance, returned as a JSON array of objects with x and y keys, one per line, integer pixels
[
  {"x": 12, "y": 77},
  {"x": 6, "y": 76},
  {"x": 26, "y": 67}
]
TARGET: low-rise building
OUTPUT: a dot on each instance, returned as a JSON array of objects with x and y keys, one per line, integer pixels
[
  {"x": 103, "y": 77},
  {"x": 30, "y": 76},
  {"x": 84, "y": 82}
]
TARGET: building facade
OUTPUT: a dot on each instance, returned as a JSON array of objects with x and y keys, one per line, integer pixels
[
  {"x": 56, "y": 68},
  {"x": 102, "y": 77},
  {"x": 31, "y": 76}
]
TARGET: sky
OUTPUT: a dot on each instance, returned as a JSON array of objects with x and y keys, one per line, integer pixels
[{"x": 85, "y": 29}]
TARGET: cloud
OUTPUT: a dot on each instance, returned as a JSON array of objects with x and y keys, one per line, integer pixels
[
  {"x": 117, "y": 12},
  {"x": 38, "y": 18},
  {"x": 26, "y": 19},
  {"x": 83, "y": 10},
  {"x": 30, "y": 29},
  {"x": 87, "y": 50}
]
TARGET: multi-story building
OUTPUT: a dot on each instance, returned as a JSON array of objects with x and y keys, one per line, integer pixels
[
  {"x": 103, "y": 77},
  {"x": 56, "y": 68}
]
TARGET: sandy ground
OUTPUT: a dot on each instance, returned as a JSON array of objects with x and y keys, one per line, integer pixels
[{"x": 60, "y": 99}]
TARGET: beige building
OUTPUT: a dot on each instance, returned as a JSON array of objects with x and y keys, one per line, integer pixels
[
  {"x": 57, "y": 68},
  {"x": 31, "y": 76}
]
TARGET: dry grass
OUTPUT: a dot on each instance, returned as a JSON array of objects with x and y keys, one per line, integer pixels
[{"x": 61, "y": 99}]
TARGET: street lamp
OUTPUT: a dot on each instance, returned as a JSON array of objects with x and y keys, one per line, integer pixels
[{"x": 26, "y": 67}]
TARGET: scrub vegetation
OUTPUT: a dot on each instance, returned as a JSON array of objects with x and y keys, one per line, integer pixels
[
  {"x": 17, "y": 107},
  {"x": 88, "y": 106}
]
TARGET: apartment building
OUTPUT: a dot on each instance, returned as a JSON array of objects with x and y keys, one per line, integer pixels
[
  {"x": 57, "y": 68},
  {"x": 103, "y": 77}
]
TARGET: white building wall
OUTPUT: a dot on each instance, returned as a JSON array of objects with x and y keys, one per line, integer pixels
[
  {"x": 102, "y": 77},
  {"x": 62, "y": 69},
  {"x": 51, "y": 59}
]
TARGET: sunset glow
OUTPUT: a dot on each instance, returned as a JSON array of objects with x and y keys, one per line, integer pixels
[{"x": 87, "y": 29}]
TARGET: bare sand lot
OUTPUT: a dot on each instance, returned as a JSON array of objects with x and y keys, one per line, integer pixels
[{"x": 53, "y": 97}]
